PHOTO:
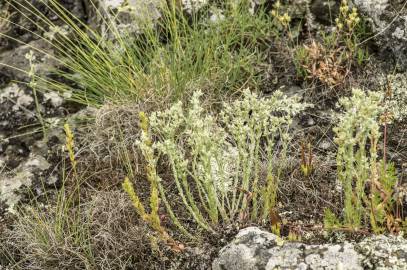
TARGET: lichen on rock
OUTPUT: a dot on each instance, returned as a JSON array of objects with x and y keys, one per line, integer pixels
[{"x": 253, "y": 248}]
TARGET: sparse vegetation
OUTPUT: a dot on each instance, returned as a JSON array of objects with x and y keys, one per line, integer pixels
[
  {"x": 190, "y": 136},
  {"x": 306, "y": 159}
]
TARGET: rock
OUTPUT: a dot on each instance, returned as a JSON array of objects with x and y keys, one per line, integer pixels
[
  {"x": 374, "y": 8},
  {"x": 12, "y": 62},
  {"x": 254, "y": 248},
  {"x": 16, "y": 107},
  {"x": 24, "y": 154},
  {"x": 25, "y": 165},
  {"x": 389, "y": 21},
  {"x": 27, "y": 159},
  {"x": 384, "y": 252},
  {"x": 24, "y": 26},
  {"x": 324, "y": 11},
  {"x": 127, "y": 14},
  {"x": 397, "y": 104},
  {"x": 54, "y": 99},
  {"x": 12, "y": 182}
]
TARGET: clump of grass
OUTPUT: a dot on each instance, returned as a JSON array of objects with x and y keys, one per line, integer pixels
[
  {"x": 358, "y": 168},
  {"x": 105, "y": 234},
  {"x": 56, "y": 235},
  {"x": 159, "y": 63},
  {"x": 215, "y": 162}
]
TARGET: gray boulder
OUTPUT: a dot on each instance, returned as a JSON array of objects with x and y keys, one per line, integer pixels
[
  {"x": 15, "y": 65},
  {"x": 254, "y": 248},
  {"x": 126, "y": 15},
  {"x": 389, "y": 21}
]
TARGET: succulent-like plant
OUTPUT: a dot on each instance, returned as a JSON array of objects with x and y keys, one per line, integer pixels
[{"x": 357, "y": 136}]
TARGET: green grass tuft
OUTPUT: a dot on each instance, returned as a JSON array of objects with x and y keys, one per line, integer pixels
[{"x": 160, "y": 63}]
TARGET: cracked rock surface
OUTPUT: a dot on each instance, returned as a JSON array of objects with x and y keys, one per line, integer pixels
[{"x": 253, "y": 248}]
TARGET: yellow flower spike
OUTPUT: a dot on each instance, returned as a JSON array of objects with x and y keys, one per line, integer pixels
[
  {"x": 143, "y": 121},
  {"x": 69, "y": 144},
  {"x": 128, "y": 187},
  {"x": 68, "y": 131}
]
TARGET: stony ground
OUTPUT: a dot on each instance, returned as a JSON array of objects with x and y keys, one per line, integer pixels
[{"x": 29, "y": 161}]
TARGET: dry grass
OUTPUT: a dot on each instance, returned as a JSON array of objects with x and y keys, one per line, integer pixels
[
  {"x": 107, "y": 142},
  {"x": 119, "y": 239},
  {"x": 115, "y": 239}
]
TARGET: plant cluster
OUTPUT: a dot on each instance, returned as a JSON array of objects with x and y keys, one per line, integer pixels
[
  {"x": 331, "y": 59},
  {"x": 368, "y": 183},
  {"x": 216, "y": 162},
  {"x": 203, "y": 170},
  {"x": 285, "y": 30},
  {"x": 64, "y": 232}
]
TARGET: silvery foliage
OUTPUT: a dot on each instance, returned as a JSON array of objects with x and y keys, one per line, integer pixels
[
  {"x": 359, "y": 121},
  {"x": 223, "y": 154},
  {"x": 358, "y": 127}
]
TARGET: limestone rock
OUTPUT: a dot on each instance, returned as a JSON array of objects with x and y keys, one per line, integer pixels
[
  {"x": 126, "y": 15},
  {"x": 22, "y": 177},
  {"x": 254, "y": 248},
  {"x": 15, "y": 61},
  {"x": 17, "y": 107},
  {"x": 389, "y": 21},
  {"x": 24, "y": 26},
  {"x": 384, "y": 252}
]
